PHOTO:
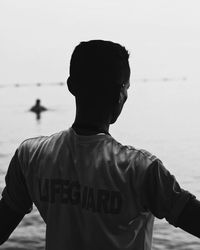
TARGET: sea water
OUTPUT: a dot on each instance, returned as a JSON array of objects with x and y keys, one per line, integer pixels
[{"x": 159, "y": 116}]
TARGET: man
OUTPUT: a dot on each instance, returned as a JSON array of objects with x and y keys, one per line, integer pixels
[{"x": 92, "y": 192}]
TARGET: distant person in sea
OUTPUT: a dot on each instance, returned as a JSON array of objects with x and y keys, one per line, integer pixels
[
  {"x": 38, "y": 108},
  {"x": 93, "y": 192}
]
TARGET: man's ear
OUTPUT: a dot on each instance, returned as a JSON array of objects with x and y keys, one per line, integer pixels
[{"x": 71, "y": 86}]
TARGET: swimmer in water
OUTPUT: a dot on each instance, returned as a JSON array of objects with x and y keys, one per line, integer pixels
[{"x": 38, "y": 108}]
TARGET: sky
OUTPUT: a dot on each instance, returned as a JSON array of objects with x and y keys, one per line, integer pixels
[{"x": 37, "y": 37}]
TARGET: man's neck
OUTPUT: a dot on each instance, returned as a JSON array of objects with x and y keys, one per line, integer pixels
[{"x": 90, "y": 128}]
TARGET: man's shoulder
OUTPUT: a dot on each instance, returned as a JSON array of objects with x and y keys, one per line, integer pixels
[
  {"x": 34, "y": 143},
  {"x": 134, "y": 154},
  {"x": 144, "y": 154}
]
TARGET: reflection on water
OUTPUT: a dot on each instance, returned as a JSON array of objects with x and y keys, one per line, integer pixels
[{"x": 161, "y": 117}]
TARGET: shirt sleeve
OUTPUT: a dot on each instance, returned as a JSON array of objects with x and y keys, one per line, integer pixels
[
  {"x": 160, "y": 192},
  {"x": 15, "y": 193}
]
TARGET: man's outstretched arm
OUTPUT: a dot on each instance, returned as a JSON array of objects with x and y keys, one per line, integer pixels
[
  {"x": 189, "y": 219},
  {"x": 166, "y": 199},
  {"x": 15, "y": 201},
  {"x": 9, "y": 219}
]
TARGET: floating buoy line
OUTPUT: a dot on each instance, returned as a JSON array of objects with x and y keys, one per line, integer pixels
[{"x": 39, "y": 84}]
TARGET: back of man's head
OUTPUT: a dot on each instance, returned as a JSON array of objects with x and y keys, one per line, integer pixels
[{"x": 98, "y": 67}]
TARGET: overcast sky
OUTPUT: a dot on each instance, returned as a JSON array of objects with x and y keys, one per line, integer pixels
[{"x": 37, "y": 36}]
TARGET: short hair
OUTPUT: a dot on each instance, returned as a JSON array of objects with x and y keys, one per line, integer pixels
[{"x": 99, "y": 64}]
